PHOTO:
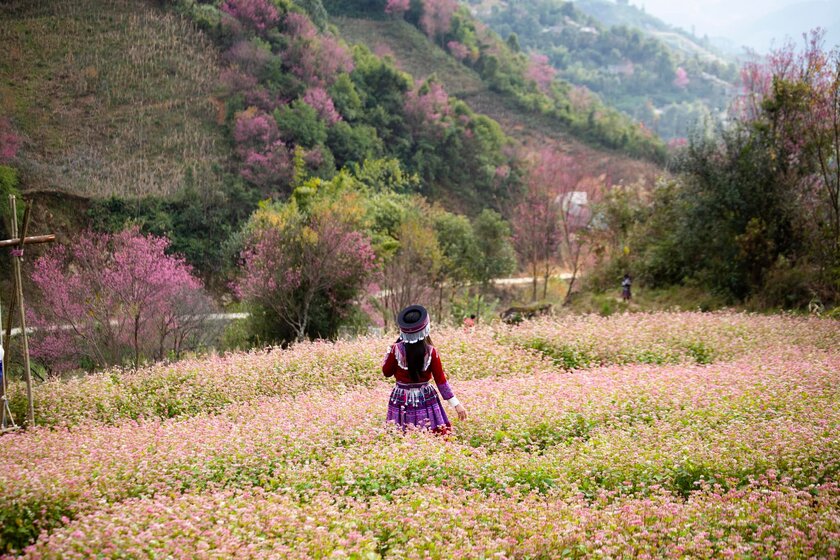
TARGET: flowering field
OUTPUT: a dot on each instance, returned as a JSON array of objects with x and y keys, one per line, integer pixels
[{"x": 678, "y": 435}]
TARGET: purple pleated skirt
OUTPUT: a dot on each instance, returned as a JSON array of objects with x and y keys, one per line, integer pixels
[{"x": 417, "y": 404}]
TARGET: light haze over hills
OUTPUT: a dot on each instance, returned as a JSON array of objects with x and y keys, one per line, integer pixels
[{"x": 758, "y": 24}]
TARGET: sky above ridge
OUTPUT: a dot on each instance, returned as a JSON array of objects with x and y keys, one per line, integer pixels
[{"x": 753, "y": 22}]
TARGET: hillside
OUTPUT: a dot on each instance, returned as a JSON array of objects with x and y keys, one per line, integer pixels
[
  {"x": 611, "y": 13},
  {"x": 111, "y": 98},
  {"x": 413, "y": 53},
  {"x": 657, "y": 74},
  {"x": 181, "y": 117}
]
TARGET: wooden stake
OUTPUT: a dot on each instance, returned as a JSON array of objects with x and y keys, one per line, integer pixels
[{"x": 16, "y": 262}]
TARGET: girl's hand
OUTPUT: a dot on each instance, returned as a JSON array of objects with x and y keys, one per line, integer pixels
[{"x": 462, "y": 412}]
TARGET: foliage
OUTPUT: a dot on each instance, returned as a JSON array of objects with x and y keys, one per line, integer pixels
[
  {"x": 496, "y": 257},
  {"x": 9, "y": 186},
  {"x": 258, "y": 15},
  {"x": 754, "y": 215},
  {"x": 197, "y": 223},
  {"x": 109, "y": 298},
  {"x": 299, "y": 262}
]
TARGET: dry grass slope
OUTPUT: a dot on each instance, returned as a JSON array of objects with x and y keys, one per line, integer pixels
[{"x": 113, "y": 96}]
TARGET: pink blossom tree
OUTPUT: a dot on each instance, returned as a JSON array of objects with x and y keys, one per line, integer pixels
[
  {"x": 550, "y": 223},
  {"x": 458, "y": 50},
  {"x": 258, "y": 15},
  {"x": 294, "y": 258},
  {"x": 428, "y": 103},
  {"x": 794, "y": 95},
  {"x": 436, "y": 20},
  {"x": 681, "y": 79},
  {"x": 320, "y": 100},
  {"x": 248, "y": 56},
  {"x": 266, "y": 160},
  {"x": 108, "y": 297},
  {"x": 315, "y": 59},
  {"x": 540, "y": 71},
  {"x": 234, "y": 81},
  {"x": 397, "y": 7},
  {"x": 536, "y": 219}
]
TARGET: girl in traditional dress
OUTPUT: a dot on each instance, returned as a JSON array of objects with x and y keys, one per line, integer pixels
[{"x": 414, "y": 362}]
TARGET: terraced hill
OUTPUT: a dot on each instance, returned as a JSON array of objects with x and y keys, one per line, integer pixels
[
  {"x": 112, "y": 97},
  {"x": 414, "y": 54}
]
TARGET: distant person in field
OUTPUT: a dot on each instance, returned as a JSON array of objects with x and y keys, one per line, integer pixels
[
  {"x": 626, "y": 282},
  {"x": 469, "y": 323},
  {"x": 413, "y": 361}
]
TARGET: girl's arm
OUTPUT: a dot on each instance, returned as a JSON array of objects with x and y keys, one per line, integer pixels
[
  {"x": 389, "y": 364},
  {"x": 443, "y": 386}
]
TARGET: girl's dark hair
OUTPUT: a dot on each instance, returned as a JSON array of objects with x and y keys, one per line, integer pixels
[{"x": 415, "y": 357}]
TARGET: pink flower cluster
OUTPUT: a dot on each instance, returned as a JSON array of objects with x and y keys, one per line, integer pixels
[
  {"x": 540, "y": 71},
  {"x": 266, "y": 161},
  {"x": 315, "y": 59},
  {"x": 738, "y": 458},
  {"x": 258, "y": 15},
  {"x": 429, "y": 103},
  {"x": 320, "y": 100}
]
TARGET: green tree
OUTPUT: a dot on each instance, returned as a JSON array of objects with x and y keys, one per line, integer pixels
[{"x": 496, "y": 256}]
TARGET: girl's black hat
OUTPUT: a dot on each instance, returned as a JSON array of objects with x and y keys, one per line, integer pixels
[{"x": 414, "y": 324}]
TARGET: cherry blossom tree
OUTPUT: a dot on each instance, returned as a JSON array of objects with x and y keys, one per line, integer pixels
[
  {"x": 266, "y": 161},
  {"x": 294, "y": 257},
  {"x": 258, "y": 15},
  {"x": 458, "y": 50},
  {"x": 428, "y": 103},
  {"x": 398, "y": 7},
  {"x": 536, "y": 231},
  {"x": 320, "y": 100},
  {"x": 436, "y": 20},
  {"x": 551, "y": 220},
  {"x": 315, "y": 59},
  {"x": 681, "y": 80},
  {"x": 110, "y": 296},
  {"x": 540, "y": 71}
]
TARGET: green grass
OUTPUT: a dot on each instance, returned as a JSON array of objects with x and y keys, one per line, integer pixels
[
  {"x": 113, "y": 98},
  {"x": 680, "y": 298},
  {"x": 412, "y": 51}
]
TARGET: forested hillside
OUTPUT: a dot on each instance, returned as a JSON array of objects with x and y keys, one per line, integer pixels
[
  {"x": 663, "y": 77},
  {"x": 181, "y": 116}
]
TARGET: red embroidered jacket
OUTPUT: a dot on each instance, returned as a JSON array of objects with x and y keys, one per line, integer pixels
[{"x": 395, "y": 365}]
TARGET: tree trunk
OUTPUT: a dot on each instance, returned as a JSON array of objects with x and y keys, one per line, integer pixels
[
  {"x": 534, "y": 281},
  {"x": 136, "y": 341}
]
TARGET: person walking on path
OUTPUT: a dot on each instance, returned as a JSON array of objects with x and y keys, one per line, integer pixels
[
  {"x": 625, "y": 288},
  {"x": 414, "y": 361}
]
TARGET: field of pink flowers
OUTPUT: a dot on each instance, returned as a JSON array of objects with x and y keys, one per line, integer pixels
[{"x": 678, "y": 435}]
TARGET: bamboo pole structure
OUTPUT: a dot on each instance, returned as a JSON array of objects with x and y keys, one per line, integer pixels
[
  {"x": 7, "y": 421},
  {"x": 28, "y": 240},
  {"x": 18, "y": 282}
]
